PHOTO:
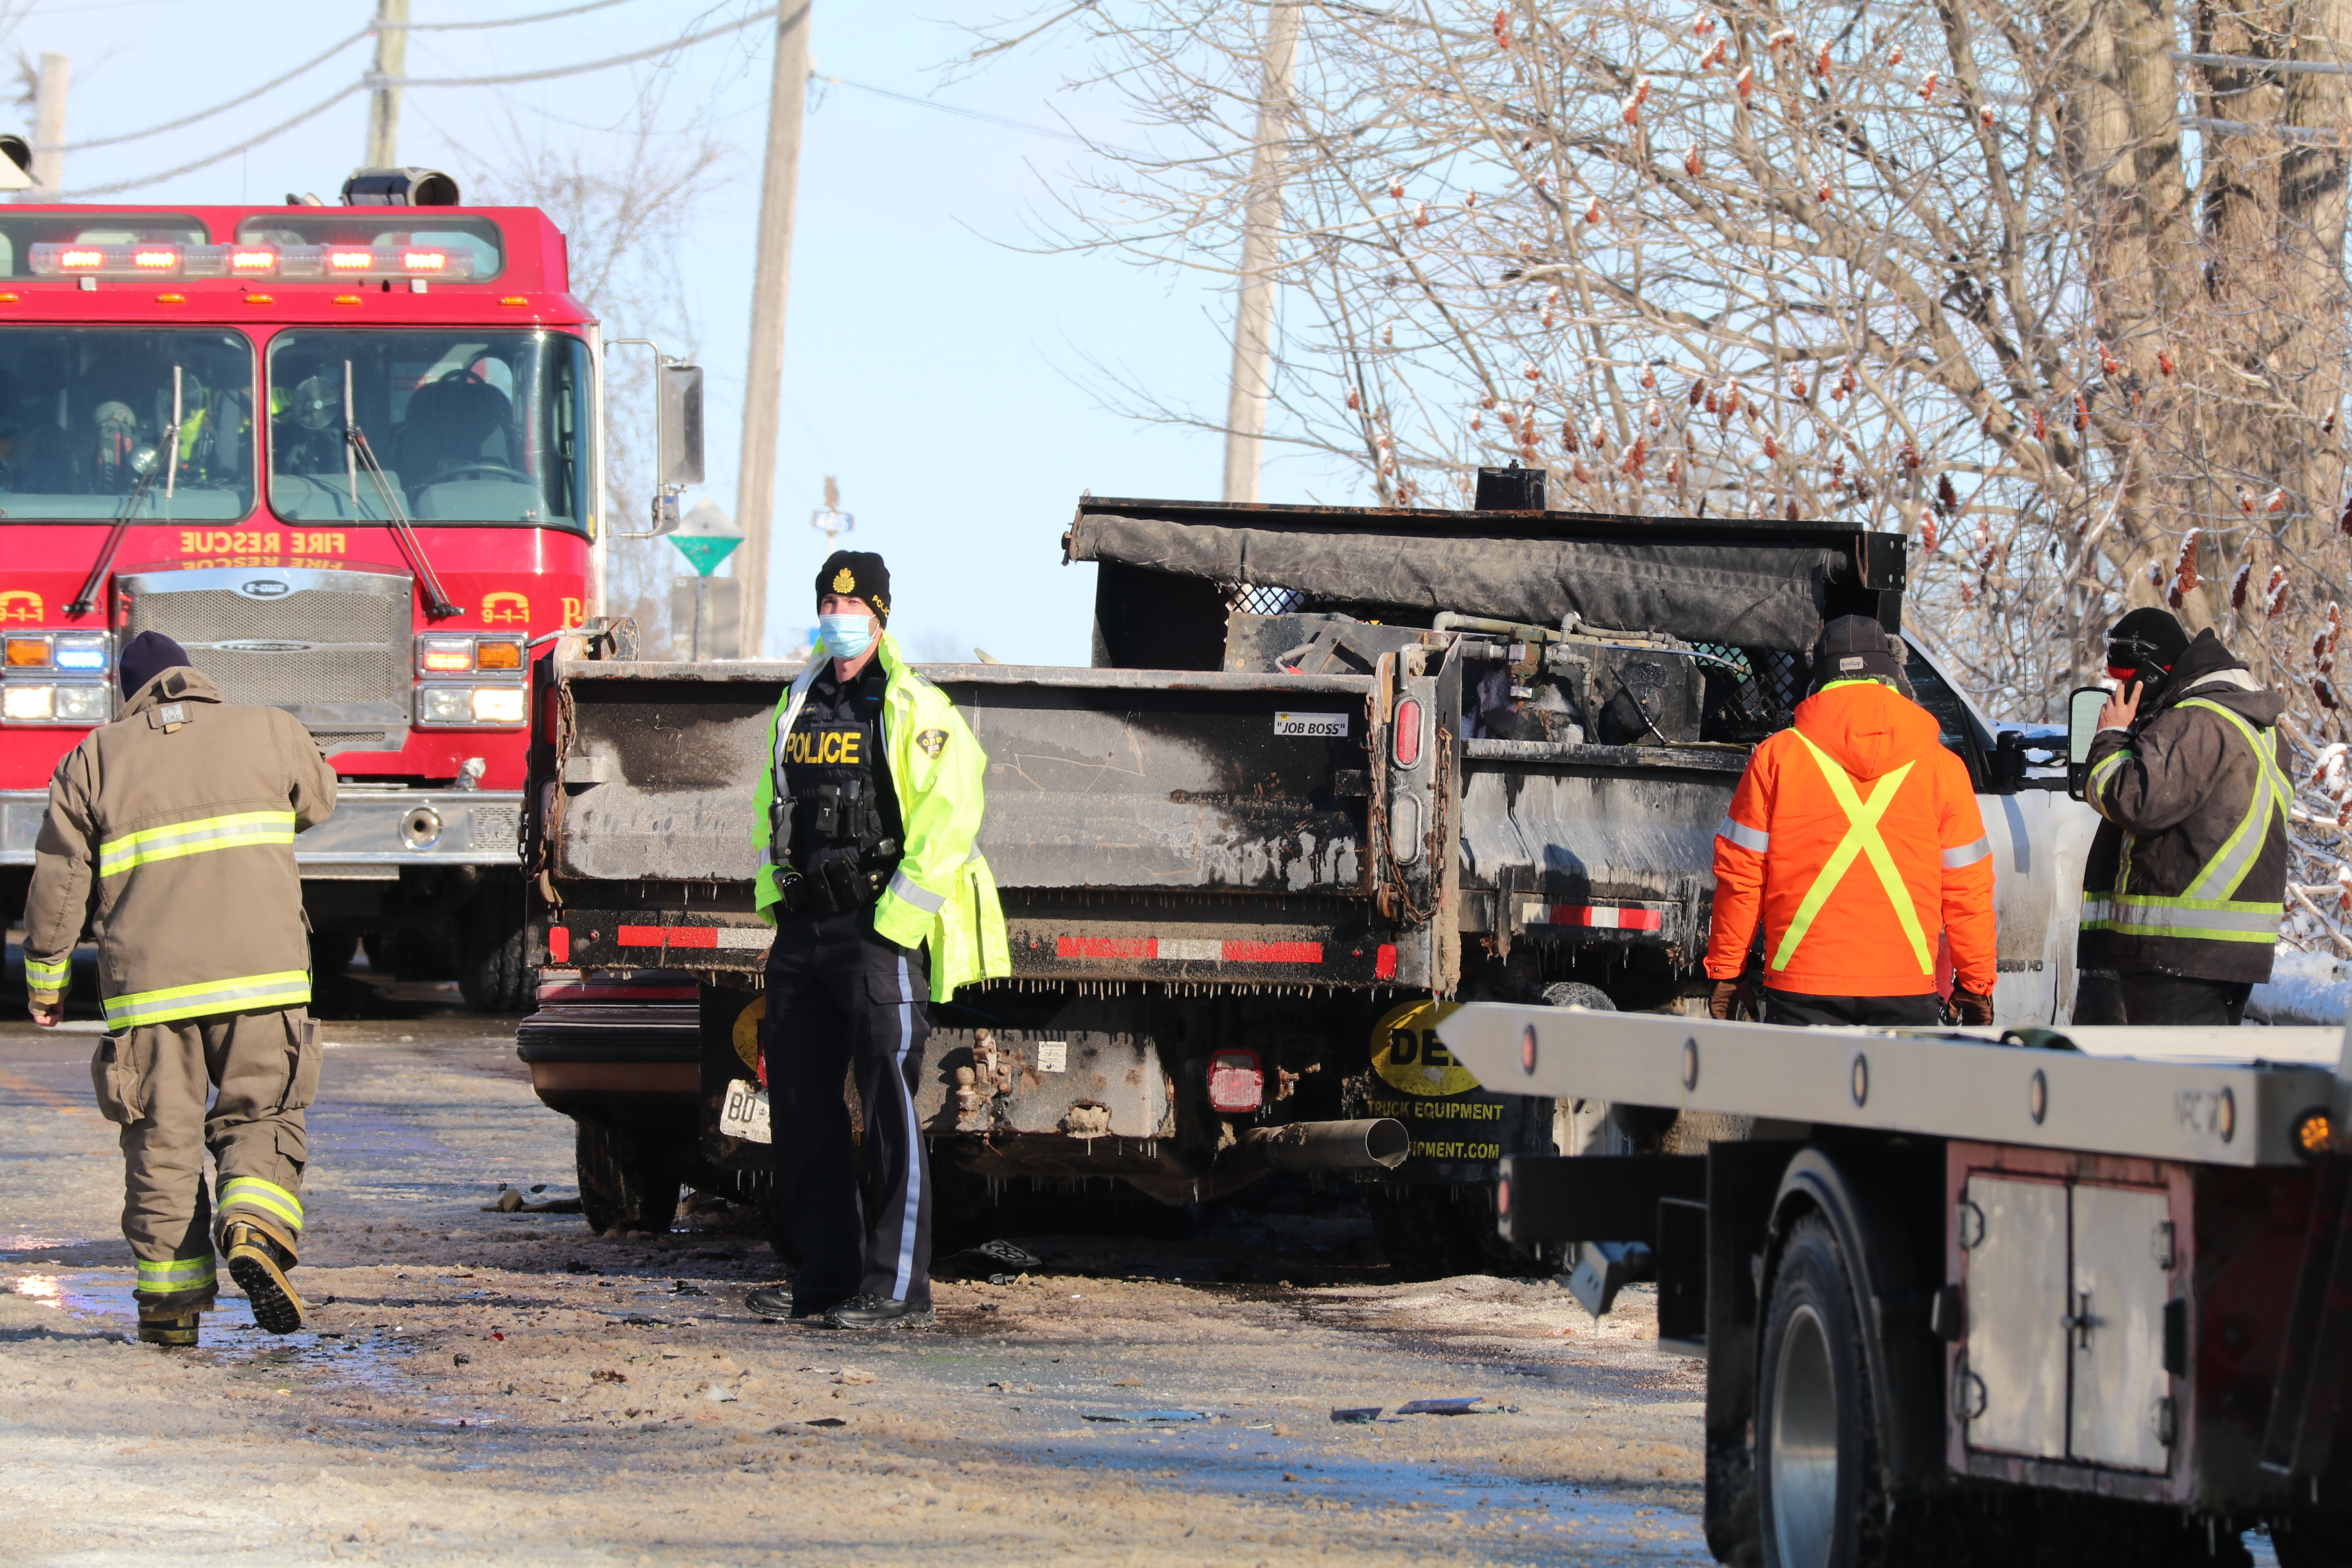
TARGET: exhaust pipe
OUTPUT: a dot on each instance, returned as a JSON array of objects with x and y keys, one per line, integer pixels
[{"x": 1377, "y": 1143}]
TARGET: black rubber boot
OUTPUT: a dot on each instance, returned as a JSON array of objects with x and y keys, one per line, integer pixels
[
  {"x": 867, "y": 1311},
  {"x": 174, "y": 1333},
  {"x": 258, "y": 1265}
]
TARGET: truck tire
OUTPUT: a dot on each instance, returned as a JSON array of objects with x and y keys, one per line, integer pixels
[
  {"x": 1817, "y": 1467},
  {"x": 625, "y": 1182},
  {"x": 1435, "y": 1231},
  {"x": 494, "y": 974}
]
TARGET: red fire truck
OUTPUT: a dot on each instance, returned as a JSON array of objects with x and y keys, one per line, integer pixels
[{"x": 347, "y": 456}]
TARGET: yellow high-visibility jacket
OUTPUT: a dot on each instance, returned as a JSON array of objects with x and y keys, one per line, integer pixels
[{"x": 942, "y": 892}]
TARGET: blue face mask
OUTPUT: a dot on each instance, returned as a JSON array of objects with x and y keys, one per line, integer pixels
[{"x": 845, "y": 637}]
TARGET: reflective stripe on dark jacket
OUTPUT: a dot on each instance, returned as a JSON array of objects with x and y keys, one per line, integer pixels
[
  {"x": 2188, "y": 873},
  {"x": 171, "y": 833}
]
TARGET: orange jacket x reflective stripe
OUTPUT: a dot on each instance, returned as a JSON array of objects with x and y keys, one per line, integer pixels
[{"x": 1854, "y": 842}]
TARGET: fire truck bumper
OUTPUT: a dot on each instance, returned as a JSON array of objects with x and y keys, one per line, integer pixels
[{"x": 372, "y": 826}]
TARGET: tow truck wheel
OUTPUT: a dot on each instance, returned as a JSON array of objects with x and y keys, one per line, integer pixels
[
  {"x": 1816, "y": 1463},
  {"x": 625, "y": 1182}
]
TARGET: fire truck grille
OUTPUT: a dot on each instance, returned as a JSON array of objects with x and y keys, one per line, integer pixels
[{"x": 331, "y": 647}]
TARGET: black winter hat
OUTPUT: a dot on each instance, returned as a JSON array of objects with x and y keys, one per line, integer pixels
[
  {"x": 1856, "y": 647},
  {"x": 857, "y": 573},
  {"x": 2148, "y": 635},
  {"x": 147, "y": 656}
]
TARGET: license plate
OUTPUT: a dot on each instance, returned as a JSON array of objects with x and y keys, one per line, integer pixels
[
  {"x": 1328, "y": 726},
  {"x": 744, "y": 1113}
]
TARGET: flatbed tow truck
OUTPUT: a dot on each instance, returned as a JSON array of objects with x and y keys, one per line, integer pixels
[{"x": 1975, "y": 1296}]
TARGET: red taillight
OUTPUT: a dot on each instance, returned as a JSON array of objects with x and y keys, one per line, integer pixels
[
  {"x": 559, "y": 944},
  {"x": 1236, "y": 1082},
  {"x": 1503, "y": 1196},
  {"x": 1404, "y": 743}
]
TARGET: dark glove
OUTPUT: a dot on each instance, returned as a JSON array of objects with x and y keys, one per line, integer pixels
[
  {"x": 1973, "y": 1008},
  {"x": 1730, "y": 997}
]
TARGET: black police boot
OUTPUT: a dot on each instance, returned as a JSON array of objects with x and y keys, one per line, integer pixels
[
  {"x": 868, "y": 1310},
  {"x": 777, "y": 1303}
]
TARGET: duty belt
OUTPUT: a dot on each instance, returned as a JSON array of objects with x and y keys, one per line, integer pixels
[{"x": 838, "y": 887}]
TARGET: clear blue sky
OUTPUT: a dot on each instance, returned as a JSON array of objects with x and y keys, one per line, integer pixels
[{"x": 945, "y": 378}]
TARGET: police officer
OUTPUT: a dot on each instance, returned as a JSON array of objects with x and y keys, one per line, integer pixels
[
  {"x": 867, "y": 813},
  {"x": 2186, "y": 881},
  {"x": 172, "y": 830}
]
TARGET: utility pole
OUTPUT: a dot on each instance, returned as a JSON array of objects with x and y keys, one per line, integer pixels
[
  {"x": 772, "y": 282},
  {"x": 48, "y": 169},
  {"x": 384, "y": 100},
  {"x": 1260, "y": 244}
]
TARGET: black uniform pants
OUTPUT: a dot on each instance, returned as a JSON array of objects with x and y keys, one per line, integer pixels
[
  {"x": 840, "y": 997},
  {"x": 1866, "y": 1011},
  {"x": 2183, "y": 999}
]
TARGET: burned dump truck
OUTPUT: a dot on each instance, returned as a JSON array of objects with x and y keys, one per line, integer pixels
[{"x": 1331, "y": 768}]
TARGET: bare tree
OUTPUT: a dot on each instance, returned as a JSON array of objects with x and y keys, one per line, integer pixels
[
  {"x": 2055, "y": 289},
  {"x": 623, "y": 199}
]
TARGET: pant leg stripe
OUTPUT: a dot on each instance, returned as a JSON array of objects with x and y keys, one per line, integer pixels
[{"x": 914, "y": 1202}]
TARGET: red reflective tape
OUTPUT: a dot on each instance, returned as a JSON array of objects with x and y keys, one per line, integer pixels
[
  {"x": 1106, "y": 947},
  {"x": 1274, "y": 952},
  {"x": 559, "y": 943},
  {"x": 1602, "y": 916},
  {"x": 694, "y": 936},
  {"x": 638, "y": 936},
  {"x": 1384, "y": 962}
]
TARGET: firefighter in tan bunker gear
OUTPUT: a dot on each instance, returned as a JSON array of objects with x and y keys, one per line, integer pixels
[{"x": 170, "y": 833}]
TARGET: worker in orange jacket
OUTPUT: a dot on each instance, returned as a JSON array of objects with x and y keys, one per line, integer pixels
[{"x": 1855, "y": 840}]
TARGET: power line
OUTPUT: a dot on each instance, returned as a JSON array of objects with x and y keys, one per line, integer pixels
[
  {"x": 370, "y": 83},
  {"x": 310, "y": 65},
  {"x": 510, "y": 78},
  {"x": 956, "y": 108},
  {"x": 503, "y": 21}
]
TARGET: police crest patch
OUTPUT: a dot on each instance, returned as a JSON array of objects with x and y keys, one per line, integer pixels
[
  {"x": 845, "y": 581},
  {"x": 932, "y": 741}
]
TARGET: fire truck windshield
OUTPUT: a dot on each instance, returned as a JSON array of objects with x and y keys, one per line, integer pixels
[
  {"x": 469, "y": 426},
  {"x": 85, "y": 413}
]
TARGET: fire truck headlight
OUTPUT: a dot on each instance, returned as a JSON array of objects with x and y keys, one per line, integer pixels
[
  {"x": 446, "y": 705},
  {"x": 83, "y": 702},
  {"x": 27, "y": 704},
  {"x": 498, "y": 704}
]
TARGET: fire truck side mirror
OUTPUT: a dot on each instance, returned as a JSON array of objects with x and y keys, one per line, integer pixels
[
  {"x": 2083, "y": 705},
  {"x": 680, "y": 412}
]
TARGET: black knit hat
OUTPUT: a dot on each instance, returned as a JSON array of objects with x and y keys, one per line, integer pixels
[
  {"x": 1856, "y": 647},
  {"x": 857, "y": 574},
  {"x": 145, "y": 658},
  {"x": 2147, "y": 636}
]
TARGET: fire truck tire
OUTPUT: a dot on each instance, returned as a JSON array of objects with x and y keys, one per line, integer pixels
[
  {"x": 1818, "y": 1471},
  {"x": 495, "y": 975},
  {"x": 626, "y": 1183},
  {"x": 2312, "y": 1539}
]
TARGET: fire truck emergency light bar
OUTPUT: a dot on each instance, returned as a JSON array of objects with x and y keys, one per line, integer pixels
[{"x": 276, "y": 261}]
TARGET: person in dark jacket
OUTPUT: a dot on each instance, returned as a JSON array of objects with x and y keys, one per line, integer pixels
[{"x": 2185, "y": 883}]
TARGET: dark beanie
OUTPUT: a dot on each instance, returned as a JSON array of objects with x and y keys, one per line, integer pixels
[
  {"x": 1856, "y": 647},
  {"x": 2148, "y": 636},
  {"x": 855, "y": 574},
  {"x": 145, "y": 658}
]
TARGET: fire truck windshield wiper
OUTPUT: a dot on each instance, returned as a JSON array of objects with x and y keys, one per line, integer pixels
[
  {"x": 360, "y": 455},
  {"x": 84, "y": 601}
]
